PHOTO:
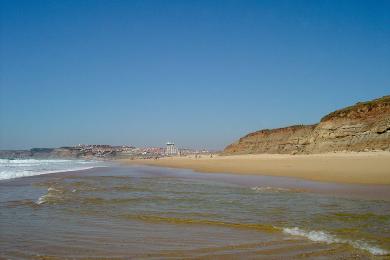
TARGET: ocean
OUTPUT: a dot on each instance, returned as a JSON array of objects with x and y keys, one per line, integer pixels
[
  {"x": 61, "y": 209},
  {"x": 16, "y": 168}
]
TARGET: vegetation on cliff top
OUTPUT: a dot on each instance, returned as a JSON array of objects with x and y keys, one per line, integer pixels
[{"x": 360, "y": 107}]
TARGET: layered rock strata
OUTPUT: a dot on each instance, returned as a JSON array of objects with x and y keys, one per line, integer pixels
[{"x": 362, "y": 127}]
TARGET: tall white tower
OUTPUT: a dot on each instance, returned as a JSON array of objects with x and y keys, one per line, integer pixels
[{"x": 171, "y": 149}]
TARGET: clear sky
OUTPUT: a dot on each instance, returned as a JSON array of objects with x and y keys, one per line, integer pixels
[{"x": 200, "y": 73}]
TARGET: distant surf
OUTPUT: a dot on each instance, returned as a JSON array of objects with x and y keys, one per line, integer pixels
[{"x": 17, "y": 168}]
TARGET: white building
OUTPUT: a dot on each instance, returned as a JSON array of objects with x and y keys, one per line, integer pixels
[{"x": 171, "y": 149}]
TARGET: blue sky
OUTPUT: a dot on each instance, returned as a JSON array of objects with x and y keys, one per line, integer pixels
[{"x": 200, "y": 73}]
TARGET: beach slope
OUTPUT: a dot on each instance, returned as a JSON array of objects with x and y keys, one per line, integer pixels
[{"x": 361, "y": 168}]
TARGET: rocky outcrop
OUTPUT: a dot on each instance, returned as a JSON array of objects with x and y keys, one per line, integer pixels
[{"x": 362, "y": 127}]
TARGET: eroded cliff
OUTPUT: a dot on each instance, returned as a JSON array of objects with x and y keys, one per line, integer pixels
[{"x": 362, "y": 127}]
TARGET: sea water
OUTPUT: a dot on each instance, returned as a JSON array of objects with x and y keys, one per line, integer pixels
[
  {"x": 16, "y": 168},
  {"x": 159, "y": 213}
]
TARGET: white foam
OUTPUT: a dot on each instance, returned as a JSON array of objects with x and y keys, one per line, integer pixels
[
  {"x": 5, "y": 175},
  {"x": 269, "y": 189},
  {"x": 321, "y": 236},
  {"x": 32, "y": 162},
  {"x": 10, "y": 169},
  {"x": 52, "y": 189},
  {"x": 41, "y": 199}
]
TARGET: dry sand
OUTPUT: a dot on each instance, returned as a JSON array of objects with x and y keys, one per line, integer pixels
[{"x": 363, "y": 168}]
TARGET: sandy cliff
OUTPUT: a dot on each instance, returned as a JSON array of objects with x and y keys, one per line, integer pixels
[{"x": 362, "y": 127}]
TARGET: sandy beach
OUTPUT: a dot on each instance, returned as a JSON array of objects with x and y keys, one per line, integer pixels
[{"x": 361, "y": 168}]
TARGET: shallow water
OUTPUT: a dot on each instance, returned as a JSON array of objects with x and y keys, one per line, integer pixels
[{"x": 149, "y": 212}]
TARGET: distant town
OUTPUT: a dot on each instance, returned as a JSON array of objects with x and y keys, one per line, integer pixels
[
  {"x": 104, "y": 151},
  {"x": 128, "y": 151}
]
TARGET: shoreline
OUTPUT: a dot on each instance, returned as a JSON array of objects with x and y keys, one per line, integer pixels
[
  {"x": 342, "y": 167},
  {"x": 87, "y": 192}
]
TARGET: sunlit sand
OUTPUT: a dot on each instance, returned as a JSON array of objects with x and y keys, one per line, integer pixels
[{"x": 363, "y": 168}]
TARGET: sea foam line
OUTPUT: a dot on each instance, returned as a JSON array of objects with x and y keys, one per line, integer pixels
[
  {"x": 35, "y": 161},
  {"x": 262, "y": 189},
  {"x": 321, "y": 236},
  {"x": 5, "y": 175}
]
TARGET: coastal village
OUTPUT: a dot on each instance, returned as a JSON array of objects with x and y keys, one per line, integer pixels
[
  {"x": 104, "y": 151},
  {"x": 126, "y": 151}
]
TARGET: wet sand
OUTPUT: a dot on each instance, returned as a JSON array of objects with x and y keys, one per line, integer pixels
[{"x": 358, "y": 168}]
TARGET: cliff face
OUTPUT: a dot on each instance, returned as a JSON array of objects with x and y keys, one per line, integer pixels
[
  {"x": 362, "y": 127},
  {"x": 280, "y": 140}
]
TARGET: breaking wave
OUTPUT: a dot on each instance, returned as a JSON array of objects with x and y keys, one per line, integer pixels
[
  {"x": 321, "y": 236},
  {"x": 10, "y": 169}
]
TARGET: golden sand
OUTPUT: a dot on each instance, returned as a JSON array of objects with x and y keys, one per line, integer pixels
[{"x": 364, "y": 168}]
